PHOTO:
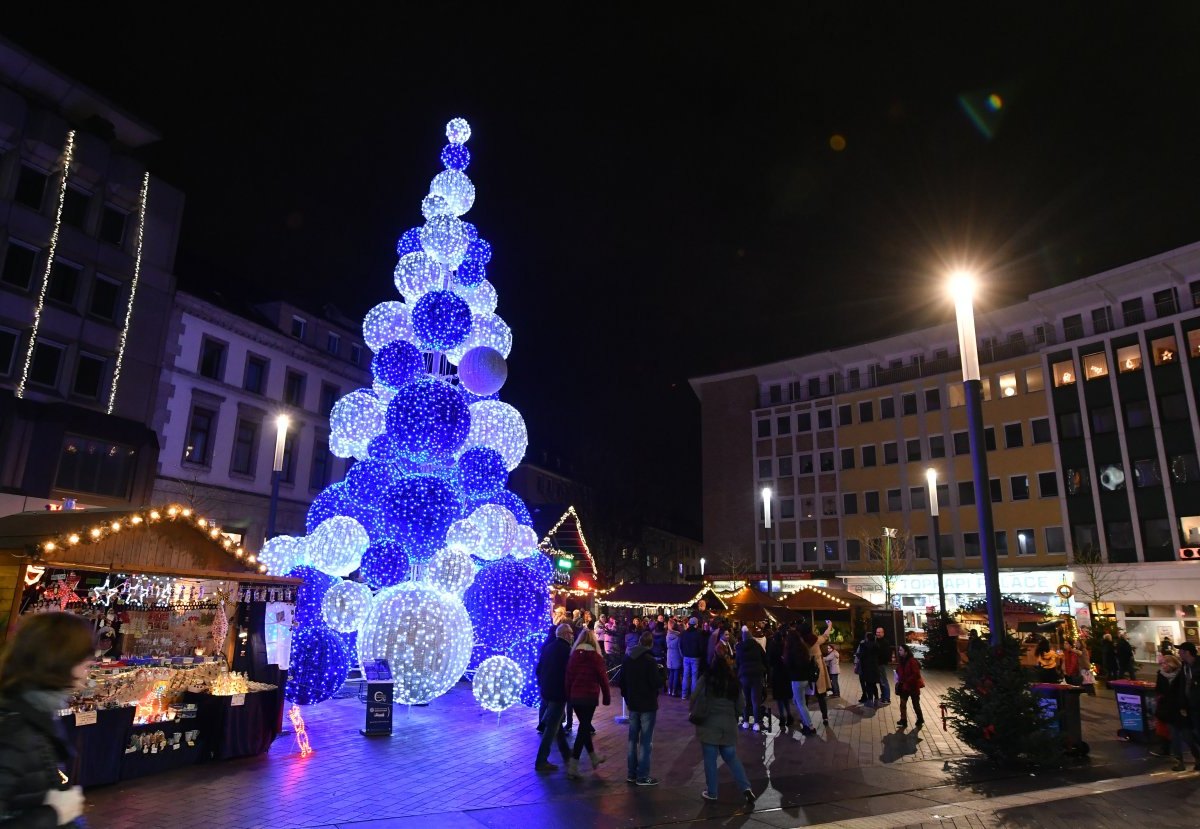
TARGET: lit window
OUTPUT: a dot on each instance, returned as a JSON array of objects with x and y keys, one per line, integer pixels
[
  {"x": 1008, "y": 384},
  {"x": 1129, "y": 358},
  {"x": 1164, "y": 350},
  {"x": 1064, "y": 373},
  {"x": 1095, "y": 365},
  {"x": 1194, "y": 342}
]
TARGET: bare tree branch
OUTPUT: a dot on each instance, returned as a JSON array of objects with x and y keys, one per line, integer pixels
[
  {"x": 890, "y": 554},
  {"x": 1097, "y": 580}
]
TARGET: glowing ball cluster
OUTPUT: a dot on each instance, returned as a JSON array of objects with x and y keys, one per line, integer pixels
[
  {"x": 429, "y": 420},
  {"x": 282, "y": 554},
  {"x": 417, "y": 273},
  {"x": 442, "y": 320},
  {"x": 482, "y": 370},
  {"x": 499, "y": 426},
  {"x": 445, "y": 239},
  {"x": 337, "y": 546},
  {"x": 424, "y": 634},
  {"x": 354, "y": 420},
  {"x": 309, "y": 595},
  {"x": 526, "y": 652},
  {"x": 386, "y": 323},
  {"x": 419, "y": 511},
  {"x": 345, "y": 606},
  {"x": 481, "y": 297},
  {"x": 507, "y": 601},
  {"x": 497, "y": 683},
  {"x": 480, "y": 472},
  {"x": 384, "y": 564},
  {"x": 451, "y": 570},
  {"x": 456, "y": 189},
  {"x": 524, "y": 543},
  {"x": 319, "y": 664},
  {"x": 397, "y": 363}
]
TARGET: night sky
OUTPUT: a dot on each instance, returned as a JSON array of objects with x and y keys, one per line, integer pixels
[{"x": 662, "y": 192}]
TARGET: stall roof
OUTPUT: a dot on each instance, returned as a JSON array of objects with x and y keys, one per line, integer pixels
[
  {"x": 824, "y": 598},
  {"x": 660, "y": 595}
]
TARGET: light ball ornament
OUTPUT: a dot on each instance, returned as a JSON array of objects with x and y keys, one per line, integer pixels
[
  {"x": 387, "y": 322},
  {"x": 451, "y": 570},
  {"x": 397, "y": 363},
  {"x": 486, "y": 330},
  {"x": 325, "y": 505},
  {"x": 455, "y": 157},
  {"x": 419, "y": 511},
  {"x": 470, "y": 274},
  {"x": 482, "y": 370},
  {"x": 472, "y": 231},
  {"x": 409, "y": 241},
  {"x": 481, "y": 298},
  {"x": 425, "y": 635},
  {"x": 457, "y": 190},
  {"x": 309, "y": 595},
  {"x": 497, "y": 683},
  {"x": 282, "y": 554},
  {"x": 367, "y": 482},
  {"x": 384, "y": 564},
  {"x": 319, "y": 665},
  {"x": 479, "y": 250},
  {"x": 480, "y": 472},
  {"x": 416, "y": 275},
  {"x": 509, "y": 500},
  {"x": 542, "y": 567},
  {"x": 526, "y": 652},
  {"x": 429, "y": 420},
  {"x": 506, "y": 602},
  {"x": 355, "y": 419},
  {"x": 496, "y": 527},
  {"x": 345, "y": 606},
  {"x": 442, "y": 320},
  {"x": 435, "y": 205},
  {"x": 524, "y": 542},
  {"x": 445, "y": 239},
  {"x": 337, "y": 546},
  {"x": 498, "y": 425},
  {"x": 458, "y": 131}
]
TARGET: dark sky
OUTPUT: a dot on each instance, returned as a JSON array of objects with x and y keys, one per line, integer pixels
[{"x": 660, "y": 190}]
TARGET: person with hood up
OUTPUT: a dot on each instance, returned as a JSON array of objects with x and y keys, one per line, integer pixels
[
  {"x": 641, "y": 680},
  {"x": 586, "y": 683},
  {"x": 751, "y": 669},
  {"x": 674, "y": 660},
  {"x": 691, "y": 647}
]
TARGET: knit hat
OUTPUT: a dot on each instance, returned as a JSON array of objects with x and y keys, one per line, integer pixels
[{"x": 692, "y": 621}]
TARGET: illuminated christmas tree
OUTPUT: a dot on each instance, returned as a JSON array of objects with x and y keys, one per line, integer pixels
[{"x": 450, "y": 577}]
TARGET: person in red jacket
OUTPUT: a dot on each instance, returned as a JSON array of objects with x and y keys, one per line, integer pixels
[
  {"x": 909, "y": 684},
  {"x": 587, "y": 682}
]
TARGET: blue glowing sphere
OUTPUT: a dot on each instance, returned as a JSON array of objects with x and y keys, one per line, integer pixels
[
  {"x": 507, "y": 602},
  {"x": 542, "y": 566},
  {"x": 384, "y": 564},
  {"x": 471, "y": 230},
  {"x": 509, "y": 500},
  {"x": 455, "y": 157},
  {"x": 397, "y": 363},
  {"x": 410, "y": 241},
  {"x": 481, "y": 472},
  {"x": 441, "y": 320},
  {"x": 479, "y": 251},
  {"x": 429, "y": 420},
  {"x": 419, "y": 511},
  {"x": 325, "y": 505},
  {"x": 367, "y": 482},
  {"x": 525, "y": 652},
  {"x": 319, "y": 664},
  {"x": 311, "y": 592},
  {"x": 470, "y": 273}
]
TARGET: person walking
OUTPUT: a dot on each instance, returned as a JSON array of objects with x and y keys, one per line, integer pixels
[
  {"x": 45, "y": 660},
  {"x": 884, "y": 650},
  {"x": 691, "y": 648},
  {"x": 557, "y": 617},
  {"x": 552, "y": 680},
  {"x": 641, "y": 680},
  {"x": 781, "y": 683},
  {"x": 1125, "y": 663},
  {"x": 908, "y": 685},
  {"x": 587, "y": 683},
  {"x": 868, "y": 670},
  {"x": 1188, "y": 690},
  {"x": 714, "y": 709},
  {"x": 601, "y": 632},
  {"x": 1108, "y": 654},
  {"x": 815, "y": 645},
  {"x": 751, "y": 669},
  {"x": 674, "y": 660},
  {"x": 833, "y": 668},
  {"x": 801, "y": 673},
  {"x": 1173, "y": 710}
]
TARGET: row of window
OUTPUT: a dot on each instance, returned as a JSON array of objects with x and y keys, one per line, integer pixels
[
  {"x": 1024, "y": 542},
  {"x": 34, "y": 186},
  {"x": 212, "y": 364},
  {"x": 333, "y": 341},
  {"x": 102, "y": 298},
  {"x": 1133, "y": 312},
  {"x": 1163, "y": 351},
  {"x": 199, "y": 449},
  {"x": 48, "y": 362},
  {"x": 1111, "y": 477}
]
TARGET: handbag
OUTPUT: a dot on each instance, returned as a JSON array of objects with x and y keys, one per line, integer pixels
[{"x": 699, "y": 713}]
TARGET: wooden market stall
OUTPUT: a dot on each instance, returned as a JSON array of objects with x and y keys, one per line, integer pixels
[
  {"x": 668, "y": 599},
  {"x": 845, "y": 609},
  {"x": 748, "y": 605}
]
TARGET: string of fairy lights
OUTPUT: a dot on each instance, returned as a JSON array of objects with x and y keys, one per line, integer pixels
[
  {"x": 67, "y": 160},
  {"x": 133, "y": 286}
]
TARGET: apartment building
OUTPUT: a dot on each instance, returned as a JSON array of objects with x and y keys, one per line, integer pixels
[
  {"x": 230, "y": 370},
  {"x": 1091, "y": 418}
]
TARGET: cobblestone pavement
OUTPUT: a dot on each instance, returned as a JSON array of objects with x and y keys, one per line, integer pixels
[{"x": 450, "y": 764}]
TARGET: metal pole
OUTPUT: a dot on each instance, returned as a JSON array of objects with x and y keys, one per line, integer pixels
[
  {"x": 275, "y": 476},
  {"x": 766, "y": 498},
  {"x": 983, "y": 508},
  {"x": 937, "y": 554},
  {"x": 282, "y": 422}
]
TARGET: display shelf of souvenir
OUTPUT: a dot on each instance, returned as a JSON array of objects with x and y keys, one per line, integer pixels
[{"x": 156, "y": 691}]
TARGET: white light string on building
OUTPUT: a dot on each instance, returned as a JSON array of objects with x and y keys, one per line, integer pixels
[
  {"x": 137, "y": 272},
  {"x": 68, "y": 156}
]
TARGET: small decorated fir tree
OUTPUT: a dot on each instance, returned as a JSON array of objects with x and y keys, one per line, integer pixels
[{"x": 943, "y": 648}]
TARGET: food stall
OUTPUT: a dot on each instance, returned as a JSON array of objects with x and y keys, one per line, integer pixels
[{"x": 174, "y": 681}]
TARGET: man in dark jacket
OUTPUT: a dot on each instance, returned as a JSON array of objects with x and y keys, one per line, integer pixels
[
  {"x": 691, "y": 647},
  {"x": 552, "y": 680},
  {"x": 1189, "y": 691},
  {"x": 884, "y": 648},
  {"x": 1125, "y": 665},
  {"x": 641, "y": 680}
]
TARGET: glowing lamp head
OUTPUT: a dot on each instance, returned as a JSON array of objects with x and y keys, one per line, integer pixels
[
  {"x": 766, "y": 494},
  {"x": 962, "y": 286},
  {"x": 283, "y": 422},
  {"x": 931, "y": 476}
]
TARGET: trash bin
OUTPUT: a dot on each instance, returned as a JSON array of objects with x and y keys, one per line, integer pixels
[
  {"x": 1135, "y": 709},
  {"x": 1060, "y": 703}
]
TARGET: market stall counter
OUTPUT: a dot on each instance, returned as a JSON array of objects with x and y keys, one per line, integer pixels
[{"x": 240, "y": 725}]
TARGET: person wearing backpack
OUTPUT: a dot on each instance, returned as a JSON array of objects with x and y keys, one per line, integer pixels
[
  {"x": 802, "y": 672},
  {"x": 713, "y": 710}
]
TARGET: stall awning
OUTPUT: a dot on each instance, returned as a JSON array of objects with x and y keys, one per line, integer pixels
[
  {"x": 671, "y": 596},
  {"x": 823, "y": 599}
]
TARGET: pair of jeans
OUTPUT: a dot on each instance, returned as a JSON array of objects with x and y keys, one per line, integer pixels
[
  {"x": 552, "y": 732},
  {"x": 1182, "y": 735},
  {"x": 799, "y": 689},
  {"x": 691, "y": 672},
  {"x": 823, "y": 705},
  {"x": 885, "y": 693},
  {"x": 583, "y": 736},
  {"x": 674, "y": 675},
  {"x": 641, "y": 732},
  {"x": 729, "y": 755},
  {"x": 833, "y": 682},
  {"x": 752, "y": 691},
  {"x": 916, "y": 704}
]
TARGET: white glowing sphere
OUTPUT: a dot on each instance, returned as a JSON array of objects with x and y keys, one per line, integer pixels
[
  {"x": 486, "y": 330},
  {"x": 337, "y": 545},
  {"x": 524, "y": 542},
  {"x": 500, "y": 426},
  {"x": 416, "y": 275},
  {"x": 482, "y": 370},
  {"x": 464, "y": 536},
  {"x": 345, "y": 606},
  {"x": 355, "y": 419},
  {"x": 496, "y": 526},
  {"x": 282, "y": 554},
  {"x": 384, "y": 392},
  {"x": 455, "y": 188},
  {"x": 425, "y": 635},
  {"x": 481, "y": 299},
  {"x": 386, "y": 323},
  {"x": 498, "y": 682},
  {"x": 435, "y": 205},
  {"x": 451, "y": 570},
  {"x": 458, "y": 131},
  {"x": 445, "y": 239}
]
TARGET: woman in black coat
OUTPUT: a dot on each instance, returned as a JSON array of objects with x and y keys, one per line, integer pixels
[
  {"x": 751, "y": 671},
  {"x": 46, "y": 658},
  {"x": 868, "y": 669},
  {"x": 781, "y": 683}
]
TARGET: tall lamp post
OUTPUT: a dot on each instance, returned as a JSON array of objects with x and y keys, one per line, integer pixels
[
  {"x": 282, "y": 422},
  {"x": 766, "y": 499},
  {"x": 962, "y": 287},
  {"x": 931, "y": 479},
  {"x": 701, "y": 566}
]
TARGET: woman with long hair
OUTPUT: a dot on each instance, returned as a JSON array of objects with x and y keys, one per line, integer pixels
[
  {"x": 751, "y": 668},
  {"x": 801, "y": 673},
  {"x": 781, "y": 684},
  {"x": 714, "y": 709},
  {"x": 908, "y": 684},
  {"x": 43, "y": 662},
  {"x": 821, "y": 685},
  {"x": 587, "y": 681}
]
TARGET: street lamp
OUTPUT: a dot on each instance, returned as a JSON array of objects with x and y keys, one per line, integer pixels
[
  {"x": 701, "y": 566},
  {"x": 282, "y": 422},
  {"x": 766, "y": 499},
  {"x": 931, "y": 479},
  {"x": 962, "y": 288}
]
